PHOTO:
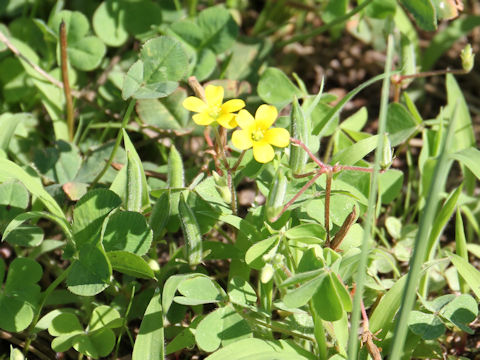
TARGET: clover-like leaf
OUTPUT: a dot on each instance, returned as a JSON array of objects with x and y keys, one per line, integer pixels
[
  {"x": 21, "y": 294},
  {"x": 127, "y": 231},
  {"x": 223, "y": 325},
  {"x": 85, "y": 52},
  {"x": 162, "y": 63},
  {"x": 90, "y": 274},
  {"x": 89, "y": 214}
]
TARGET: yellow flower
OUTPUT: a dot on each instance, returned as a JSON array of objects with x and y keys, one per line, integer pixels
[
  {"x": 213, "y": 110},
  {"x": 256, "y": 133}
]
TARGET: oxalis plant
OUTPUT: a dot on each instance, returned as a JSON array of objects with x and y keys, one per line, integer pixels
[{"x": 166, "y": 192}]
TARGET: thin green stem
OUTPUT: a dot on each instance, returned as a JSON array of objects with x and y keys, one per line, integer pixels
[
  {"x": 421, "y": 240},
  {"x": 46, "y": 294},
  {"x": 66, "y": 83},
  {"x": 323, "y": 28},
  {"x": 126, "y": 117},
  {"x": 362, "y": 266}
]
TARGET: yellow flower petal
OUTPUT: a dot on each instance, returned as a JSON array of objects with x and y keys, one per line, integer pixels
[
  {"x": 263, "y": 151},
  {"x": 245, "y": 119},
  {"x": 203, "y": 119},
  {"x": 214, "y": 95},
  {"x": 233, "y": 105},
  {"x": 242, "y": 140},
  {"x": 277, "y": 137},
  {"x": 266, "y": 116},
  {"x": 227, "y": 121},
  {"x": 195, "y": 104}
]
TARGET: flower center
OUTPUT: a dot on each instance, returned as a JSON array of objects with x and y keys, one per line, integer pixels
[
  {"x": 257, "y": 134},
  {"x": 214, "y": 111}
]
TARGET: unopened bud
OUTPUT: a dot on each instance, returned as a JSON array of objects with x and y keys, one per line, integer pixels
[
  {"x": 154, "y": 265},
  {"x": 278, "y": 259},
  {"x": 267, "y": 273},
  {"x": 468, "y": 58}
]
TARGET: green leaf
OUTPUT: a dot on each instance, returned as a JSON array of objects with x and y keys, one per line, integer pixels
[
  {"x": 185, "y": 339},
  {"x": 356, "y": 152},
  {"x": 137, "y": 197},
  {"x": 390, "y": 185},
  {"x": 241, "y": 292},
  {"x": 219, "y": 30},
  {"x": 60, "y": 163},
  {"x": 201, "y": 288},
  {"x": 384, "y": 313},
  {"x": 258, "y": 349},
  {"x": 162, "y": 63},
  {"x": 104, "y": 316},
  {"x": 25, "y": 235},
  {"x": 274, "y": 87},
  {"x": 423, "y": 12},
  {"x": 65, "y": 323},
  {"x": 222, "y": 326},
  {"x": 130, "y": 264},
  {"x": 164, "y": 113},
  {"x": 400, "y": 124},
  {"x": 253, "y": 257},
  {"x": 96, "y": 345},
  {"x": 461, "y": 311},
  {"x": 14, "y": 200},
  {"x": 91, "y": 273},
  {"x": 11, "y": 170},
  {"x": 457, "y": 106},
  {"x": 205, "y": 64},
  {"x": 17, "y": 315},
  {"x": 149, "y": 344},
  {"x": 380, "y": 9},
  {"x": 470, "y": 157},
  {"x": 127, "y": 231},
  {"x": 307, "y": 233},
  {"x": 85, "y": 52},
  {"x": 441, "y": 220},
  {"x": 301, "y": 295},
  {"x": 8, "y": 124},
  {"x": 468, "y": 272},
  {"x": 20, "y": 295},
  {"x": 109, "y": 23},
  {"x": 170, "y": 288},
  {"x": 89, "y": 214},
  {"x": 328, "y": 299},
  {"x": 427, "y": 326}
]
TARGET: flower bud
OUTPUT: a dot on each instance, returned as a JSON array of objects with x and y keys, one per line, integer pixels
[
  {"x": 467, "y": 58},
  {"x": 267, "y": 273}
]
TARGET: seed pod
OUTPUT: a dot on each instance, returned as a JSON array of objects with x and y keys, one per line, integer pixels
[
  {"x": 347, "y": 224},
  {"x": 175, "y": 180},
  {"x": 276, "y": 196},
  {"x": 387, "y": 155},
  {"x": 160, "y": 214},
  {"x": 191, "y": 232},
  {"x": 300, "y": 130}
]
